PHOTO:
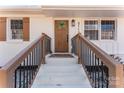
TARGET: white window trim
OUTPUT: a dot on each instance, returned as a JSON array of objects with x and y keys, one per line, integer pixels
[
  {"x": 92, "y": 18},
  {"x": 99, "y": 26},
  {"x": 115, "y": 37},
  {"x": 8, "y": 27}
]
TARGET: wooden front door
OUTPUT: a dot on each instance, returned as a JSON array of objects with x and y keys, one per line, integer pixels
[{"x": 61, "y": 35}]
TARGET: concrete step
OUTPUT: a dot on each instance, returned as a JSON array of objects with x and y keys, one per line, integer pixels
[
  {"x": 54, "y": 74},
  {"x": 60, "y": 80},
  {"x": 61, "y": 61},
  {"x": 61, "y": 69},
  {"x": 61, "y": 86}
]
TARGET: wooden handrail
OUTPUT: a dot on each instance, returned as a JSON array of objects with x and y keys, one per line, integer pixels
[
  {"x": 45, "y": 35},
  {"x": 7, "y": 71},
  {"x": 98, "y": 51},
  {"x": 115, "y": 68}
]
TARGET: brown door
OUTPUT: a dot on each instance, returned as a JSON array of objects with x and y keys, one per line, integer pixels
[{"x": 61, "y": 35}]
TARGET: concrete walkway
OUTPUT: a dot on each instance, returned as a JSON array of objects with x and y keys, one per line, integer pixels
[{"x": 61, "y": 73}]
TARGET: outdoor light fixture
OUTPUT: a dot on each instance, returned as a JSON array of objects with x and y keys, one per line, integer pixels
[{"x": 72, "y": 22}]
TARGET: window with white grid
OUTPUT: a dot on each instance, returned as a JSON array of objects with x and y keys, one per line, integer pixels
[
  {"x": 91, "y": 29},
  {"x": 108, "y": 29},
  {"x": 16, "y": 28}
]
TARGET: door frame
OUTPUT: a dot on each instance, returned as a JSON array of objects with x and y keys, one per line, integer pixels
[{"x": 55, "y": 36}]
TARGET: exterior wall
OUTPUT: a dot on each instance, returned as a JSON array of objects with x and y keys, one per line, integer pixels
[
  {"x": 38, "y": 24},
  {"x": 109, "y": 46},
  {"x": 46, "y": 25},
  {"x": 41, "y": 24},
  {"x": 114, "y": 46},
  {"x": 120, "y": 35}
]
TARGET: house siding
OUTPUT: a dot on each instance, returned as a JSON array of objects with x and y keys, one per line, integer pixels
[{"x": 41, "y": 24}]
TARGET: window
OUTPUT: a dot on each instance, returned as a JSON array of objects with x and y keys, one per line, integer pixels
[
  {"x": 91, "y": 29},
  {"x": 16, "y": 29},
  {"x": 108, "y": 29}
]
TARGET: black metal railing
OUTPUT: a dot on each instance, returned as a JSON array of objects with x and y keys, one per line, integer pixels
[
  {"x": 25, "y": 73},
  {"x": 27, "y": 70},
  {"x": 24, "y": 67},
  {"x": 96, "y": 69},
  {"x": 20, "y": 72},
  {"x": 96, "y": 62}
]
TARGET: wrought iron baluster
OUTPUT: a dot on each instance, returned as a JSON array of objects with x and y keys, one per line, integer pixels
[
  {"x": 102, "y": 74},
  {"x": 16, "y": 82},
  {"x": 20, "y": 77},
  {"x": 23, "y": 67},
  {"x": 95, "y": 71},
  {"x": 30, "y": 68},
  {"x": 98, "y": 72},
  {"x": 27, "y": 76}
]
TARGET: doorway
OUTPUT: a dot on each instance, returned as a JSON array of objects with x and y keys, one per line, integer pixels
[{"x": 61, "y": 35}]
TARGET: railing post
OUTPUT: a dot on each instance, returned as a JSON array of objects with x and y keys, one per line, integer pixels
[
  {"x": 45, "y": 46},
  {"x": 116, "y": 75},
  {"x": 44, "y": 50},
  {"x": 4, "y": 79},
  {"x": 79, "y": 49}
]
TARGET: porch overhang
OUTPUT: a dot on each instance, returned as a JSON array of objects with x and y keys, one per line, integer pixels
[
  {"x": 66, "y": 11},
  {"x": 83, "y": 11}
]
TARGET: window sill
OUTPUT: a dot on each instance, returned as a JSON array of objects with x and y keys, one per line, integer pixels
[
  {"x": 108, "y": 40},
  {"x": 15, "y": 41}
]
